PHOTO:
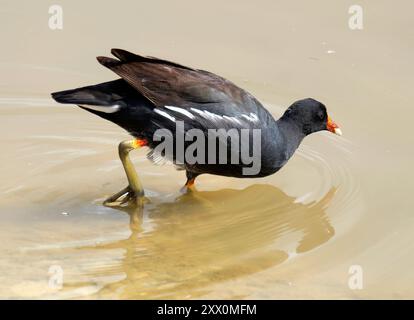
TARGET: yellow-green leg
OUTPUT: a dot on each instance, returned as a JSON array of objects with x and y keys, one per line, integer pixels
[{"x": 134, "y": 191}]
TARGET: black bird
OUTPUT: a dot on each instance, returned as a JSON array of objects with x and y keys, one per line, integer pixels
[{"x": 154, "y": 96}]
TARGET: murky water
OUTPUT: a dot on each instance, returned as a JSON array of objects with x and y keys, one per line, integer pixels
[{"x": 339, "y": 202}]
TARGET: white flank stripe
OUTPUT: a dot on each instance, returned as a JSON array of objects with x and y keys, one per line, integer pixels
[
  {"x": 198, "y": 111},
  {"x": 208, "y": 115},
  {"x": 251, "y": 117},
  {"x": 215, "y": 117},
  {"x": 181, "y": 110},
  {"x": 232, "y": 119},
  {"x": 164, "y": 114}
]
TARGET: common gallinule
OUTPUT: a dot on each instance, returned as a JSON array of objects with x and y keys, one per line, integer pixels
[{"x": 159, "y": 101}]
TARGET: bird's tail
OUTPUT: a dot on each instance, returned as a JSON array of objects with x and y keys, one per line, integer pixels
[{"x": 108, "y": 97}]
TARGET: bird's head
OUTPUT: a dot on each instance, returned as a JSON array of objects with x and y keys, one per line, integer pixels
[{"x": 310, "y": 116}]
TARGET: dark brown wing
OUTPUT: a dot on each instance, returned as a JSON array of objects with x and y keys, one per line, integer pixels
[{"x": 166, "y": 83}]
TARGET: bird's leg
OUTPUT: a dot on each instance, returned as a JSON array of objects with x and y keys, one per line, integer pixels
[
  {"x": 134, "y": 191},
  {"x": 189, "y": 185}
]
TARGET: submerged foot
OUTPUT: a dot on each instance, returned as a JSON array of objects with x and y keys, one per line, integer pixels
[
  {"x": 186, "y": 189},
  {"x": 189, "y": 185},
  {"x": 123, "y": 198}
]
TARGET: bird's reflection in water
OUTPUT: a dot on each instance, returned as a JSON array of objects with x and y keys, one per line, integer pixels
[{"x": 176, "y": 249}]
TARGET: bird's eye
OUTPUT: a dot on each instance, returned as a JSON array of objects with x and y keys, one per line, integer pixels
[{"x": 321, "y": 115}]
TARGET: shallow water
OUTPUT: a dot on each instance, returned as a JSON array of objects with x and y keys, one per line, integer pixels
[{"x": 339, "y": 202}]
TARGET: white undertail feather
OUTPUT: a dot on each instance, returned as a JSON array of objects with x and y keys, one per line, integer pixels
[{"x": 108, "y": 109}]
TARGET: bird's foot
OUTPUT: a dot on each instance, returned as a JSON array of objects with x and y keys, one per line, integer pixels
[
  {"x": 189, "y": 186},
  {"x": 124, "y": 197},
  {"x": 186, "y": 189}
]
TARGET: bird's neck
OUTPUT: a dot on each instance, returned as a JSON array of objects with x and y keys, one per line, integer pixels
[{"x": 292, "y": 134}]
